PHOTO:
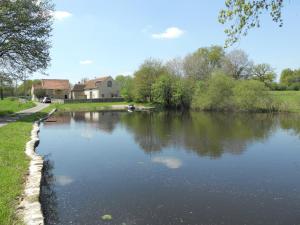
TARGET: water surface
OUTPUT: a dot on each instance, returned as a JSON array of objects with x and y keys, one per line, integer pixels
[{"x": 169, "y": 168}]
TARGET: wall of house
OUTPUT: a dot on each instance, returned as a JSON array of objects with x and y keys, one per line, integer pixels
[
  {"x": 109, "y": 92},
  {"x": 78, "y": 95},
  {"x": 95, "y": 93}
]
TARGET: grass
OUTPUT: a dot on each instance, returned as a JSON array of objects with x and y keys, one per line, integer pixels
[
  {"x": 14, "y": 164},
  {"x": 290, "y": 100},
  {"x": 92, "y": 106},
  {"x": 11, "y": 105}
]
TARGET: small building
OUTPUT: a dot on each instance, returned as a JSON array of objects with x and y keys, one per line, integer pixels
[
  {"x": 102, "y": 87},
  {"x": 53, "y": 88},
  {"x": 77, "y": 92}
]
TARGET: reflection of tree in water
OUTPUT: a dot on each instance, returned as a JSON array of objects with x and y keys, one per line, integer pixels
[
  {"x": 48, "y": 196},
  {"x": 209, "y": 134},
  {"x": 290, "y": 121},
  {"x": 105, "y": 121}
]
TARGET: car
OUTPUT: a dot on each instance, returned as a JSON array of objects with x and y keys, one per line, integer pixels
[{"x": 46, "y": 100}]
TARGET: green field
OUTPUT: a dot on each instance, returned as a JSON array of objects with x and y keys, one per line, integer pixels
[
  {"x": 11, "y": 105},
  {"x": 289, "y": 100},
  {"x": 14, "y": 164}
]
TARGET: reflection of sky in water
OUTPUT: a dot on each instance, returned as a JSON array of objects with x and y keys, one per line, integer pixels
[
  {"x": 63, "y": 180},
  {"x": 170, "y": 162}
]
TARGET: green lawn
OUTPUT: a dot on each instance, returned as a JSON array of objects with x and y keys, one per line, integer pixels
[
  {"x": 290, "y": 100},
  {"x": 12, "y": 105},
  {"x": 14, "y": 164}
]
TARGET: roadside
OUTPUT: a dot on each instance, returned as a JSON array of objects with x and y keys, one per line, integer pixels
[{"x": 21, "y": 114}]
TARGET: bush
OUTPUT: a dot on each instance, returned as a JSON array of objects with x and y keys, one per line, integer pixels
[
  {"x": 251, "y": 95},
  {"x": 294, "y": 87},
  {"x": 214, "y": 94}
]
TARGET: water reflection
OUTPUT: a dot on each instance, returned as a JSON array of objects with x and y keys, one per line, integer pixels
[
  {"x": 156, "y": 168},
  {"x": 206, "y": 134},
  {"x": 48, "y": 197}
]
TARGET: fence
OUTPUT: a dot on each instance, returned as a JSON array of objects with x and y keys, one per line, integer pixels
[{"x": 94, "y": 100}]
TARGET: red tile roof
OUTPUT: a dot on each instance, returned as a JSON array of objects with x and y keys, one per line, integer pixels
[
  {"x": 54, "y": 84},
  {"x": 91, "y": 84}
]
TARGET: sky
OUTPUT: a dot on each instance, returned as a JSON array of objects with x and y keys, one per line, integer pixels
[{"x": 93, "y": 38}]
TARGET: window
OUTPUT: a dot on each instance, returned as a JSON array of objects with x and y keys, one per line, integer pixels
[{"x": 109, "y": 83}]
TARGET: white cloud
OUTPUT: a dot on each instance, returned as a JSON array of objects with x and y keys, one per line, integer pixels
[
  {"x": 169, "y": 33},
  {"x": 86, "y": 62},
  {"x": 61, "y": 15},
  {"x": 169, "y": 162},
  {"x": 63, "y": 180}
]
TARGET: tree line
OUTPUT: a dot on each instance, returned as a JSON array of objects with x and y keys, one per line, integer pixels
[{"x": 209, "y": 79}]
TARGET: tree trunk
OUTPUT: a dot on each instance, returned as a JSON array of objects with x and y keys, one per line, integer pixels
[{"x": 1, "y": 89}]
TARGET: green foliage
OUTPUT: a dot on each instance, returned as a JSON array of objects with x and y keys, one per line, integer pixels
[
  {"x": 214, "y": 94},
  {"x": 264, "y": 73},
  {"x": 200, "y": 64},
  {"x": 126, "y": 87},
  {"x": 245, "y": 15},
  {"x": 24, "y": 89},
  {"x": 25, "y": 27},
  {"x": 252, "y": 95},
  {"x": 290, "y": 78},
  {"x": 145, "y": 77}
]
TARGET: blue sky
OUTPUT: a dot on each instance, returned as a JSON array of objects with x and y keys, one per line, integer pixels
[{"x": 92, "y": 38}]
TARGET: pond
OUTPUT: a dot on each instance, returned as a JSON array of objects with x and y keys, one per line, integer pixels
[{"x": 169, "y": 168}]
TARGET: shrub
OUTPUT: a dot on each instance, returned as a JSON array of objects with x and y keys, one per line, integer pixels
[
  {"x": 251, "y": 95},
  {"x": 214, "y": 94}
]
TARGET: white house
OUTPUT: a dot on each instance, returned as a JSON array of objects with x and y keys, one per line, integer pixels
[{"x": 102, "y": 87}]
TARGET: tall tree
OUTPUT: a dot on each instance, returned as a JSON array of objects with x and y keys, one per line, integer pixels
[
  {"x": 25, "y": 27},
  {"x": 203, "y": 62},
  {"x": 237, "y": 64},
  {"x": 264, "y": 73},
  {"x": 245, "y": 14},
  {"x": 145, "y": 77}
]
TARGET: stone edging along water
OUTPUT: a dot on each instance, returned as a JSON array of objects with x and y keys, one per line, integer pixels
[{"x": 29, "y": 209}]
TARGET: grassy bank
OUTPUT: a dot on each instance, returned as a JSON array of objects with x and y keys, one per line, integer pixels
[
  {"x": 11, "y": 105},
  {"x": 14, "y": 164},
  {"x": 290, "y": 100},
  {"x": 94, "y": 106}
]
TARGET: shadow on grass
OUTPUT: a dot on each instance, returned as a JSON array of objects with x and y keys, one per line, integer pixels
[{"x": 6, "y": 113}]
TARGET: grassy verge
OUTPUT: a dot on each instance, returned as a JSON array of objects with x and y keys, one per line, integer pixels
[
  {"x": 93, "y": 106},
  {"x": 290, "y": 100},
  {"x": 12, "y": 105},
  {"x": 14, "y": 164}
]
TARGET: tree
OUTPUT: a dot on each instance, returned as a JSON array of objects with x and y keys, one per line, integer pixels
[
  {"x": 145, "y": 77},
  {"x": 290, "y": 78},
  {"x": 264, "y": 73},
  {"x": 237, "y": 64},
  {"x": 163, "y": 90},
  {"x": 203, "y": 62},
  {"x": 175, "y": 66},
  {"x": 25, "y": 27},
  {"x": 245, "y": 14},
  {"x": 126, "y": 87}
]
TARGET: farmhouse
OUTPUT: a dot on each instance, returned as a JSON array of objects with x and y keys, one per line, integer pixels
[
  {"x": 102, "y": 87},
  {"x": 53, "y": 88}
]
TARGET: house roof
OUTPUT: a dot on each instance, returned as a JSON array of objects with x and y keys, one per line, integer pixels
[
  {"x": 78, "y": 87},
  {"x": 53, "y": 84},
  {"x": 91, "y": 84}
]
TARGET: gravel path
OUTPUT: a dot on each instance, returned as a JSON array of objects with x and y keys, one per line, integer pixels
[{"x": 7, "y": 119}]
